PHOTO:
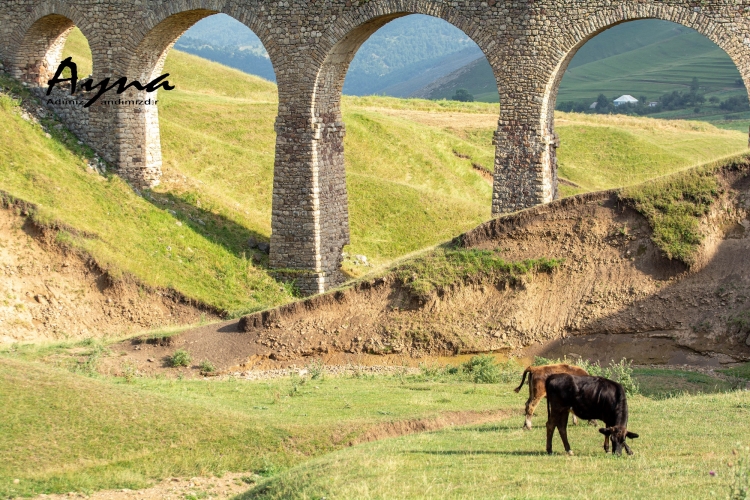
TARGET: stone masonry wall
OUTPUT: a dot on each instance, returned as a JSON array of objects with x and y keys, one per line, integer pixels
[{"x": 528, "y": 43}]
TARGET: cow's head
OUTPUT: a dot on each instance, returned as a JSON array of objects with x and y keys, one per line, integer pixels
[{"x": 617, "y": 435}]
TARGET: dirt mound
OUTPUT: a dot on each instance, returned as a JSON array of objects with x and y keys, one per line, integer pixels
[
  {"x": 50, "y": 293},
  {"x": 613, "y": 280},
  {"x": 448, "y": 419}
]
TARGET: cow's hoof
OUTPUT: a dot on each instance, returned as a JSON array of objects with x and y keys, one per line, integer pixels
[
  {"x": 526, "y": 428},
  {"x": 570, "y": 453}
]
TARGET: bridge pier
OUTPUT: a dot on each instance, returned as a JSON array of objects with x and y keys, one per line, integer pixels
[
  {"x": 525, "y": 167},
  {"x": 310, "y": 214}
]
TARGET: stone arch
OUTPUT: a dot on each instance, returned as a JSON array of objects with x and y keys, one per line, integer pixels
[
  {"x": 39, "y": 41},
  {"x": 140, "y": 157},
  {"x": 338, "y": 47},
  {"x": 582, "y": 31}
]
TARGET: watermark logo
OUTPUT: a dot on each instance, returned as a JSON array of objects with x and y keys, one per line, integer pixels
[{"x": 101, "y": 88}]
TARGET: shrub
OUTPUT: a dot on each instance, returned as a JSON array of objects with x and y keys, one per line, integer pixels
[
  {"x": 463, "y": 95},
  {"x": 483, "y": 369},
  {"x": 316, "y": 369},
  {"x": 622, "y": 372},
  {"x": 180, "y": 358},
  {"x": 206, "y": 366}
]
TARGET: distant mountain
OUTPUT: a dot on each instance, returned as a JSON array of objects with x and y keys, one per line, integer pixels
[
  {"x": 476, "y": 77},
  {"x": 641, "y": 58},
  {"x": 222, "y": 39},
  {"x": 402, "y": 57},
  {"x": 408, "y": 49}
]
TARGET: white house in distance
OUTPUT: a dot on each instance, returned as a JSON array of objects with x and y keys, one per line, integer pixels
[{"x": 625, "y": 99}]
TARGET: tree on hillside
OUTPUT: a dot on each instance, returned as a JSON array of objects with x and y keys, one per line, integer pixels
[
  {"x": 603, "y": 105},
  {"x": 694, "y": 86},
  {"x": 463, "y": 95}
]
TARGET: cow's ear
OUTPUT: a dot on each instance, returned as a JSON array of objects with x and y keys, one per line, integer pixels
[
  {"x": 631, "y": 435},
  {"x": 606, "y": 431}
]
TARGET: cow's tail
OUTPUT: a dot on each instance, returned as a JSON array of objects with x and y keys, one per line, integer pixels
[
  {"x": 523, "y": 380},
  {"x": 548, "y": 408}
]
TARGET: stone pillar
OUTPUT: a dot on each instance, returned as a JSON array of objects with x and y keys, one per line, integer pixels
[
  {"x": 138, "y": 152},
  {"x": 310, "y": 222},
  {"x": 525, "y": 159}
]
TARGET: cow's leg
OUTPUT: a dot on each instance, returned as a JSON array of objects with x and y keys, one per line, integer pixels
[
  {"x": 575, "y": 419},
  {"x": 530, "y": 404},
  {"x": 606, "y": 444},
  {"x": 627, "y": 448},
  {"x": 562, "y": 427},
  {"x": 550, "y": 432},
  {"x": 530, "y": 407},
  {"x": 529, "y": 413}
]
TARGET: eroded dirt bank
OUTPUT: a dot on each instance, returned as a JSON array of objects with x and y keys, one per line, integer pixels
[
  {"x": 613, "y": 281},
  {"x": 48, "y": 293}
]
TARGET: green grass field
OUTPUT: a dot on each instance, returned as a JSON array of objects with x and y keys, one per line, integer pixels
[
  {"x": 64, "y": 431},
  {"x": 682, "y": 440}
]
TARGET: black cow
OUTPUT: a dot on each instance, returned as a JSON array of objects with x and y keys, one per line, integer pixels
[{"x": 591, "y": 398}]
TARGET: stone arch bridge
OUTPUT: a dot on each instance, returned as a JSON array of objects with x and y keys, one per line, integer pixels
[{"x": 528, "y": 43}]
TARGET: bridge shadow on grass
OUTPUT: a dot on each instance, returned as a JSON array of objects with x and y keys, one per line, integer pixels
[{"x": 216, "y": 228}]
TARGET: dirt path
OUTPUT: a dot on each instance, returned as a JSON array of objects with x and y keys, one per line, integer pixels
[{"x": 227, "y": 486}]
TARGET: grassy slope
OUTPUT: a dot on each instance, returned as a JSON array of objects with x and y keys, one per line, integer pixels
[
  {"x": 400, "y": 175},
  {"x": 602, "y": 152},
  {"x": 125, "y": 233},
  {"x": 671, "y": 65}
]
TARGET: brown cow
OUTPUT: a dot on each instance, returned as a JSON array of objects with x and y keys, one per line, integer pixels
[{"x": 537, "y": 377}]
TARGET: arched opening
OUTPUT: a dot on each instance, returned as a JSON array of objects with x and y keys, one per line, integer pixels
[
  {"x": 397, "y": 175},
  {"x": 613, "y": 84},
  {"x": 210, "y": 141},
  {"x": 43, "y": 46}
]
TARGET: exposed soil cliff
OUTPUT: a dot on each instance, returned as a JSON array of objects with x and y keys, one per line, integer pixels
[
  {"x": 613, "y": 280},
  {"x": 49, "y": 293}
]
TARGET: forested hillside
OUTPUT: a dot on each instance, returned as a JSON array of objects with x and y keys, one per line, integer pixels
[
  {"x": 398, "y": 59},
  {"x": 654, "y": 61}
]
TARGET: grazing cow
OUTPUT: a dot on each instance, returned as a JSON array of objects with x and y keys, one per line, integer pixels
[
  {"x": 537, "y": 377},
  {"x": 589, "y": 398}
]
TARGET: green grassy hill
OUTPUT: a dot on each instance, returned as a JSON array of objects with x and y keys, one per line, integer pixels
[
  {"x": 604, "y": 151},
  {"x": 660, "y": 66},
  {"x": 408, "y": 187},
  {"x": 641, "y": 58}
]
